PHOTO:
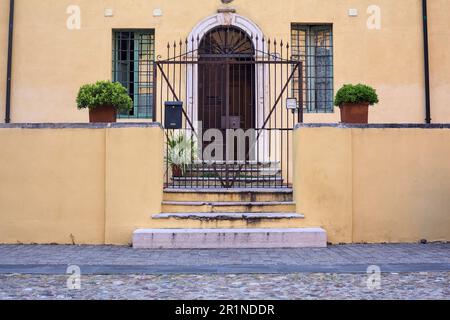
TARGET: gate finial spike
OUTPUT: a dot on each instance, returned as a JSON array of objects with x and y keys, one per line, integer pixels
[{"x": 281, "y": 43}]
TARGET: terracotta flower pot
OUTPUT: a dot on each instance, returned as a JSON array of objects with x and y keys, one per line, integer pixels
[
  {"x": 176, "y": 171},
  {"x": 355, "y": 113},
  {"x": 103, "y": 114}
]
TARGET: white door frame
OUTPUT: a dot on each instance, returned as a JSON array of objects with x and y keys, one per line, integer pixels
[{"x": 261, "y": 70}]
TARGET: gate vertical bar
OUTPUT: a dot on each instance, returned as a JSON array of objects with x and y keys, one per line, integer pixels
[{"x": 155, "y": 89}]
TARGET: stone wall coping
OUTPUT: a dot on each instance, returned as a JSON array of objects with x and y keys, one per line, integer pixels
[
  {"x": 157, "y": 124},
  {"x": 374, "y": 126},
  {"x": 80, "y": 125}
]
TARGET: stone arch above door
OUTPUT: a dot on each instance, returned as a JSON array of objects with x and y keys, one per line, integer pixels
[{"x": 226, "y": 19}]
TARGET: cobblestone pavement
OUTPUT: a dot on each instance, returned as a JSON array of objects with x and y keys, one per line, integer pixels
[
  {"x": 333, "y": 255},
  {"x": 229, "y": 286},
  {"x": 200, "y": 274}
]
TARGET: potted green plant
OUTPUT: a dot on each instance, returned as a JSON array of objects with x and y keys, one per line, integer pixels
[
  {"x": 181, "y": 151},
  {"x": 354, "y": 101},
  {"x": 104, "y": 99}
]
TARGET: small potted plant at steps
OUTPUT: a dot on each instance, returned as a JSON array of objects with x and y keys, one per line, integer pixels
[
  {"x": 354, "y": 101},
  {"x": 104, "y": 99},
  {"x": 181, "y": 152}
]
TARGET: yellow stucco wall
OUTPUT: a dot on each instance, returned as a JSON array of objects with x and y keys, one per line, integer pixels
[
  {"x": 374, "y": 185},
  {"x": 134, "y": 181},
  {"x": 51, "y": 62},
  {"x": 401, "y": 184},
  {"x": 323, "y": 180},
  {"x": 87, "y": 186}
]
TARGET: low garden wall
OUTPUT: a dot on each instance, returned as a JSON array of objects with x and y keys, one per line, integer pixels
[
  {"x": 96, "y": 184},
  {"x": 83, "y": 184},
  {"x": 379, "y": 183}
]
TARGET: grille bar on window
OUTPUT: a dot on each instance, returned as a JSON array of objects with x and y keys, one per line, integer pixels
[
  {"x": 313, "y": 45},
  {"x": 133, "y": 66}
]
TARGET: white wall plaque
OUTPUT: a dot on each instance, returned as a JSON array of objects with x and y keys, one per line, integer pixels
[
  {"x": 352, "y": 12},
  {"x": 109, "y": 12},
  {"x": 157, "y": 12}
]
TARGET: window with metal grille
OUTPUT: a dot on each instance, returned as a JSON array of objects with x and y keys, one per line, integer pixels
[
  {"x": 133, "y": 57},
  {"x": 313, "y": 45}
]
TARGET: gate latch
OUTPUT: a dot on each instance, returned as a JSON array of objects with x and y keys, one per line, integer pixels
[{"x": 231, "y": 122}]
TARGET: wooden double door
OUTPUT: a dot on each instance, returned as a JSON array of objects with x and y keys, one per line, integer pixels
[{"x": 227, "y": 98}]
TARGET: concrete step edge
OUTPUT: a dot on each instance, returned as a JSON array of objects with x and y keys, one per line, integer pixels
[
  {"x": 229, "y": 238},
  {"x": 228, "y": 215},
  {"x": 227, "y": 204},
  {"x": 232, "y": 190},
  {"x": 235, "y": 162},
  {"x": 255, "y": 178},
  {"x": 231, "y": 230},
  {"x": 245, "y": 169}
]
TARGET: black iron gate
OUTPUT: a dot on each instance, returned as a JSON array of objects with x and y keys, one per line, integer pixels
[{"x": 242, "y": 97}]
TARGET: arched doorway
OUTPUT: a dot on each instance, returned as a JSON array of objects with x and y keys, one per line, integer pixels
[
  {"x": 226, "y": 81},
  {"x": 227, "y": 75}
]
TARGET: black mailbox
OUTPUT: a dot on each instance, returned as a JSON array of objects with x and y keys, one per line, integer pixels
[{"x": 173, "y": 115}]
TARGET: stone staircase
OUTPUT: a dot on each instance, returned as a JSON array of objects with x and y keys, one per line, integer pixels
[
  {"x": 205, "y": 174},
  {"x": 228, "y": 218}
]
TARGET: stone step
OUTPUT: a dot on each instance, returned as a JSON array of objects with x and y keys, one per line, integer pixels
[
  {"x": 239, "y": 181},
  {"x": 229, "y": 216},
  {"x": 235, "y": 164},
  {"x": 211, "y": 184},
  {"x": 227, "y": 195},
  {"x": 229, "y": 238},
  {"x": 234, "y": 206},
  {"x": 244, "y": 172},
  {"x": 233, "y": 169},
  {"x": 220, "y": 162}
]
